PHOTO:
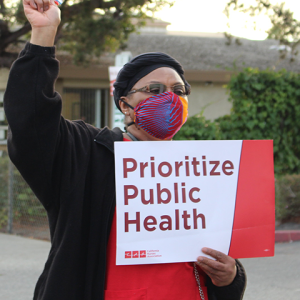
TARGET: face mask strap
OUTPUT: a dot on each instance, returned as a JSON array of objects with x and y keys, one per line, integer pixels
[{"x": 131, "y": 123}]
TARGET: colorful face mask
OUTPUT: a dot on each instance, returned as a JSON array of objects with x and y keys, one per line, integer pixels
[{"x": 161, "y": 115}]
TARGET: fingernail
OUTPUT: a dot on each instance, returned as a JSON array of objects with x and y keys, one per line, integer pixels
[
  {"x": 41, "y": 10},
  {"x": 46, "y": 7},
  {"x": 200, "y": 259},
  {"x": 204, "y": 249}
]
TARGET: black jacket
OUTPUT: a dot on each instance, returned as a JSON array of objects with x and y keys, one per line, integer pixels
[{"x": 70, "y": 168}]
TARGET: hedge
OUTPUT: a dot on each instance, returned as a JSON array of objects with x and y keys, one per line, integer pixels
[{"x": 265, "y": 105}]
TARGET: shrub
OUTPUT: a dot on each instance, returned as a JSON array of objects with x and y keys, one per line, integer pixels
[
  {"x": 288, "y": 198},
  {"x": 26, "y": 207},
  {"x": 265, "y": 105},
  {"x": 3, "y": 189},
  {"x": 197, "y": 128}
]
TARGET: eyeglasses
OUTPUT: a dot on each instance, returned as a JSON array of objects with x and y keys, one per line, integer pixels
[{"x": 159, "y": 88}]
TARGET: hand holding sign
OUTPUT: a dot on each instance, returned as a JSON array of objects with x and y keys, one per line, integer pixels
[
  {"x": 221, "y": 271},
  {"x": 185, "y": 195}
]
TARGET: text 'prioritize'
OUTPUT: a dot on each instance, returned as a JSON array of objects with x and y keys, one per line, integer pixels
[{"x": 176, "y": 192}]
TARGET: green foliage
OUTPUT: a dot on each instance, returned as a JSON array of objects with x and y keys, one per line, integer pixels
[
  {"x": 26, "y": 207},
  {"x": 197, "y": 128},
  {"x": 284, "y": 27},
  {"x": 3, "y": 190},
  {"x": 265, "y": 105},
  {"x": 88, "y": 37},
  {"x": 87, "y": 29},
  {"x": 288, "y": 198}
]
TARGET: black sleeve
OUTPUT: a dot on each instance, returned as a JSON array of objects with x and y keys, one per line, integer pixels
[
  {"x": 234, "y": 291},
  {"x": 41, "y": 142}
]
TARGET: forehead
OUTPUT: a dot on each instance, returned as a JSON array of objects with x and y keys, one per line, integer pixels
[{"x": 165, "y": 75}]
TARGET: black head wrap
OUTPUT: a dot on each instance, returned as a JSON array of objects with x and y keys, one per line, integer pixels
[{"x": 139, "y": 67}]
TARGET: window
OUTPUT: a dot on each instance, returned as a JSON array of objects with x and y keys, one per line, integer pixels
[
  {"x": 89, "y": 105},
  {"x": 3, "y": 123}
]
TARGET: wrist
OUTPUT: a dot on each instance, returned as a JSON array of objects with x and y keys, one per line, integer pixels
[{"x": 43, "y": 36}]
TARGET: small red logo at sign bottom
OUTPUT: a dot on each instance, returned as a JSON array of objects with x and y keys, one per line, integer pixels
[
  {"x": 143, "y": 253},
  {"x": 135, "y": 254},
  {"x": 127, "y": 254}
]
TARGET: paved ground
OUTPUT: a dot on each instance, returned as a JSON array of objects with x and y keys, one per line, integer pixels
[
  {"x": 274, "y": 278},
  {"x": 21, "y": 263}
]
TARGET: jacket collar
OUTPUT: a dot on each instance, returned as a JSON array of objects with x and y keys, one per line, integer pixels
[{"x": 107, "y": 137}]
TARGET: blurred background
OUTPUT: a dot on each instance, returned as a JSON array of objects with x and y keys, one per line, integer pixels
[{"x": 240, "y": 56}]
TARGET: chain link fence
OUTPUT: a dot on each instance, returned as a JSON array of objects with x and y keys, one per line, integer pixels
[{"x": 20, "y": 211}]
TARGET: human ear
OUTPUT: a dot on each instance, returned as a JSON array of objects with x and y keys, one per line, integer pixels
[{"x": 124, "y": 108}]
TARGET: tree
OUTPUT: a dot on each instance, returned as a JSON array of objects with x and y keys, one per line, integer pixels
[
  {"x": 285, "y": 28},
  {"x": 88, "y": 27}
]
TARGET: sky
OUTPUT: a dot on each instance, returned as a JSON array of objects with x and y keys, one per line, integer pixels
[{"x": 208, "y": 16}]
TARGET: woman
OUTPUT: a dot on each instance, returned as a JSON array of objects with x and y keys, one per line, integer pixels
[{"x": 70, "y": 167}]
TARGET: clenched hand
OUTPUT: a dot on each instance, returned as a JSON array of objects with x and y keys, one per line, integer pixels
[
  {"x": 222, "y": 271},
  {"x": 44, "y": 17}
]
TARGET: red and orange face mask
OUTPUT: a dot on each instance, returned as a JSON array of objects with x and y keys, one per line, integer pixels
[{"x": 161, "y": 115}]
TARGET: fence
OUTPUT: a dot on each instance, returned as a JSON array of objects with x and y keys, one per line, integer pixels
[{"x": 20, "y": 211}]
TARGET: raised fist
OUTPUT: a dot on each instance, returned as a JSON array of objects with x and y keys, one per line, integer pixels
[{"x": 42, "y": 13}]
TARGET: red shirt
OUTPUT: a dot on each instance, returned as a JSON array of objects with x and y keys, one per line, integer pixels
[{"x": 174, "y": 281}]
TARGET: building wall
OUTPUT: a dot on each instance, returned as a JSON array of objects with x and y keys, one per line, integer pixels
[
  {"x": 210, "y": 98},
  {"x": 3, "y": 78},
  {"x": 85, "y": 83},
  {"x": 90, "y": 96},
  {"x": 3, "y": 125}
]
